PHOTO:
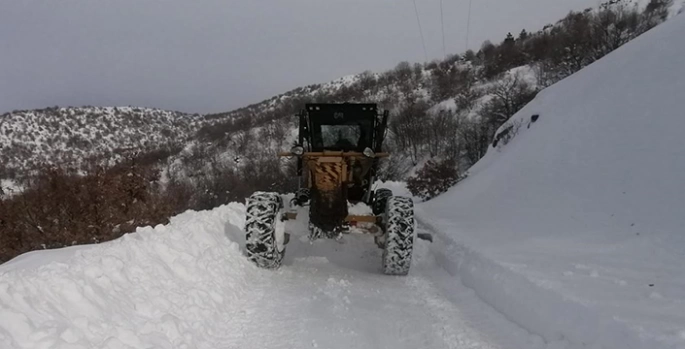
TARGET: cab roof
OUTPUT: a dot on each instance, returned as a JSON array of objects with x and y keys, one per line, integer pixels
[{"x": 337, "y": 113}]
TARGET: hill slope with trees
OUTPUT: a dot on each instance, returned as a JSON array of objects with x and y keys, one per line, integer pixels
[{"x": 444, "y": 116}]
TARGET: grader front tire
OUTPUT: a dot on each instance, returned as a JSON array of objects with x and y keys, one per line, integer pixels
[{"x": 263, "y": 211}]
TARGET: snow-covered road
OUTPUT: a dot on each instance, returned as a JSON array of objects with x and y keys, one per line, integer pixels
[
  {"x": 333, "y": 295},
  {"x": 188, "y": 285}
]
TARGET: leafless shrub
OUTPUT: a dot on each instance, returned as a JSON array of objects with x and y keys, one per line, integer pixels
[
  {"x": 507, "y": 134},
  {"x": 435, "y": 178},
  {"x": 61, "y": 208},
  {"x": 409, "y": 129},
  {"x": 509, "y": 95},
  {"x": 476, "y": 136}
]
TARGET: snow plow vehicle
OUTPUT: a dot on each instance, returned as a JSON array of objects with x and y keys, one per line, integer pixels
[{"x": 338, "y": 151}]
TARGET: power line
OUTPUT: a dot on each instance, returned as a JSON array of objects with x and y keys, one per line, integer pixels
[
  {"x": 468, "y": 26},
  {"x": 442, "y": 26},
  {"x": 423, "y": 42}
]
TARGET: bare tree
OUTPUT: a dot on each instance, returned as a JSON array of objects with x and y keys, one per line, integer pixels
[
  {"x": 443, "y": 135},
  {"x": 409, "y": 129},
  {"x": 476, "y": 136},
  {"x": 509, "y": 95}
]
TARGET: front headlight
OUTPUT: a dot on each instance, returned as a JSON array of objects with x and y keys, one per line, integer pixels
[
  {"x": 297, "y": 150},
  {"x": 369, "y": 153}
]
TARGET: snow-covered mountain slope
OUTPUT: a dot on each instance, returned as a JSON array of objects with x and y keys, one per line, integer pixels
[
  {"x": 188, "y": 285},
  {"x": 585, "y": 205},
  {"x": 566, "y": 237},
  {"x": 71, "y": 135},
  {"x": 569, "y": 233}
]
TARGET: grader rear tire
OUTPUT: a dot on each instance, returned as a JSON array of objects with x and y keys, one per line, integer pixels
[{"x": 399, "y": 235}]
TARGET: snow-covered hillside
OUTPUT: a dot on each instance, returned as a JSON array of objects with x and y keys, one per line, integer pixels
[
  {"x": 70, "y": 135},
  {"x": 567, "y": 236},
  {"x": 584, "y": 207}
]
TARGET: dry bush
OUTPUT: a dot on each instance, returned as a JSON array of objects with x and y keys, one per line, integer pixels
[
  {"x": 61, "y": 208},
  {"x": 509, "y": 95},
  {"x": 435, "y": 178},
  {"x": 507, "y": 134},
  {"x": 476, "y": 136},
  {"x": 409, "y": 129}
]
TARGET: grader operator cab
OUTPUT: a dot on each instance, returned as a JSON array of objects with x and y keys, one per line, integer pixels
[{"x": 338, "y": 152}]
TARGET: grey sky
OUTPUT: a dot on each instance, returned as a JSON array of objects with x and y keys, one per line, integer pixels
[{"x": 211, "y": 56}]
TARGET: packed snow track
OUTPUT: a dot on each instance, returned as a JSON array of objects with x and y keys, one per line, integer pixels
[{"x": 189, "y": 285}]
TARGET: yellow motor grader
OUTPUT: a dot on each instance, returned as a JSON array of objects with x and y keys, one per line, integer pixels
[{"x": 338, "y": 152}]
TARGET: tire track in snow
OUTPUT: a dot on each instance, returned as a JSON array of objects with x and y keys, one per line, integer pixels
[
  {"x": 449, "y": 290},
  {"x": 334, "y": 295}
]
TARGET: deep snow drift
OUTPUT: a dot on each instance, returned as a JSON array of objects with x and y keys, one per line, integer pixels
[
  {"x": 585, "y": 208},
  {"x": 188, "y": 285}
]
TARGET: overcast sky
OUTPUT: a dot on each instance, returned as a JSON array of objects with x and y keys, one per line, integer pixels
[{"x": 217, "y": 55}]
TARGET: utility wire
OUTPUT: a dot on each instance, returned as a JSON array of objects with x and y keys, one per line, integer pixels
[
  {"x": 468, "y": 26},
  {"x": 423, "y": 42},
  {"x": 442, "y": 26}
]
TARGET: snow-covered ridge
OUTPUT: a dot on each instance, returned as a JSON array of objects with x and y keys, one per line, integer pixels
[
  {"x": 70, "y": 135},
  {"x": 578, "y": 220}
]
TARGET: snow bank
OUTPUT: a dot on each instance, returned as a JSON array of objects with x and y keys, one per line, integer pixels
[
  {"x": 574, "y": 229},
  {"x": 187, "y": 285},
  {"x": 165, "y": 287},
  {"x": 397, "y": 188}
]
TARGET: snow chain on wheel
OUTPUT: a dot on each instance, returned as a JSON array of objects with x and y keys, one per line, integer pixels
[
  {"x": 399, "y": 235},
  {"x": 380, "y": 196},
  {"x": 260, "y": 229}
]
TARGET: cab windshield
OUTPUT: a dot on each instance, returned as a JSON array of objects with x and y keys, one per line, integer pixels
[{"x": 340, "y": 137}]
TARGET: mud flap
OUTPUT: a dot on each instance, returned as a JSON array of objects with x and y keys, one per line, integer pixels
[{"x": 425, "y": 236}]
